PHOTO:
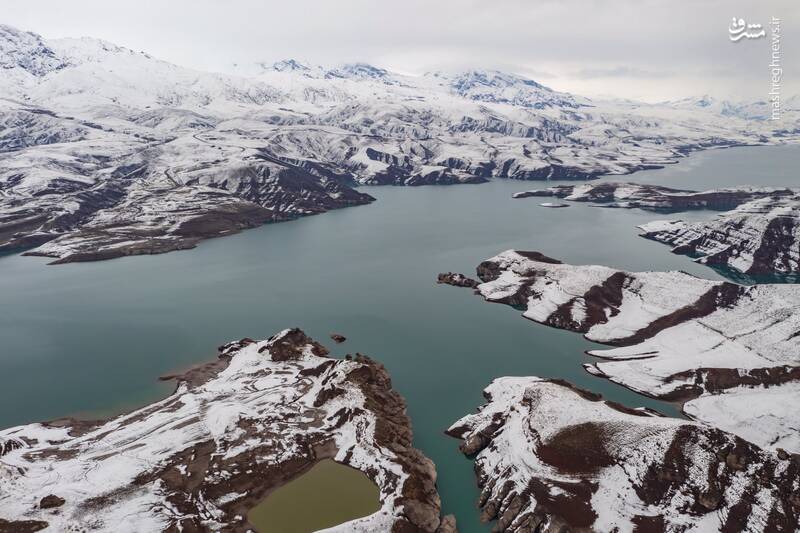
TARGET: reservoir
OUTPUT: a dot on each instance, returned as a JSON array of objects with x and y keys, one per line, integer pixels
[{"x": 92, "y": 338}]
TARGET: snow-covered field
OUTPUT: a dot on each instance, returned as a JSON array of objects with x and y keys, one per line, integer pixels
[{"x": 94, "y": 136}]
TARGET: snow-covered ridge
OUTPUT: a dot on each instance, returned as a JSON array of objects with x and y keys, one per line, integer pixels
[
  {"x": 759, "y": 235},
  {"x": 730, "y": 353},
  {"x": 550, "y": 457},
  {"x": 81, "y": 117},
  {"x": 234, "y": 429},
  {"x": 26, "y": 51},
  {"x": 656, "y": 197}
]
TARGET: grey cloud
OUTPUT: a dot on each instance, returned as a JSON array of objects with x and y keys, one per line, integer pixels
[
  {"x": 622, "y": 72},
  {"x": 589, "y": 46}
]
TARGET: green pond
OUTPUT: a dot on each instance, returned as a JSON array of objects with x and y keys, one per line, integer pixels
[
  {"x": 92, "y": 338},
  {"x": 328, "y": 494}
]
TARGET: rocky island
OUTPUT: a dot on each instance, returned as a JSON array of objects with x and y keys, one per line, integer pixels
[
  {"x": 234, "y": 430},
  {"x": 758, "y": 234},
  {"x": 551, "y": 457}
]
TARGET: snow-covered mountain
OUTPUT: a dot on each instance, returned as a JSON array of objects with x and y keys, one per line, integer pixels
[
  {"x": 744, "y": 109},
  {"x": 93, "y": 134}
]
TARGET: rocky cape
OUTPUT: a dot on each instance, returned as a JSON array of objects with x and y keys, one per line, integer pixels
[
  {"x": 235, "y": 429},
  {"x": 728, "y": 353},
  {"x": 550, "y": 457},
  {"x": 758, "y": 234},
  {"x": 108, "y": 151}
]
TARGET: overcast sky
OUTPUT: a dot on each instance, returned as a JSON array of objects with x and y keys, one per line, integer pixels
[{"x": 644, "y": 49}]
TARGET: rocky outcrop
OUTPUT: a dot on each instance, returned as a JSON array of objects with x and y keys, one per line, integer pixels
[
  {"x": 550, "y": 457},
  {"x": 236, "y": 428},
  {"x": 760, "y": 237},
  {"x": 456, "y": 280},
  {"x": 728, "y": 352},
  {"x": 51, "y": 501}
]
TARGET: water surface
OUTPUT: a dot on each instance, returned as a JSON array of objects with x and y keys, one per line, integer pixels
[
  {"x": 327, "y": 495},
  {"x": 93, "y": 337}
]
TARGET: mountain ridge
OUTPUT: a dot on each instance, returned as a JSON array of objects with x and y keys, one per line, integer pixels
[{"x": 83, "y": 116}]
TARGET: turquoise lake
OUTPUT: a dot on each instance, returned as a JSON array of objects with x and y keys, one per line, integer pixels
[{"x": 92, "y": 338}]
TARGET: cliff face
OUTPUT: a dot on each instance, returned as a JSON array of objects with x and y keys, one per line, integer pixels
[
  {"x": 551, "y": 458},
  {"x": 760, "y": 237},
  {"x": 758, "y": 234},
  {"x": 235, "y": 428}
]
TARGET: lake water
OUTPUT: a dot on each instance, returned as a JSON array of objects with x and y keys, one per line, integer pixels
[
  {"x": 327, "y": 495},
  {"x": 93, "y": 337}
]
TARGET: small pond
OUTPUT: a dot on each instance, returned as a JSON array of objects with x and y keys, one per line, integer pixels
[{"x": 327, "y": 495}]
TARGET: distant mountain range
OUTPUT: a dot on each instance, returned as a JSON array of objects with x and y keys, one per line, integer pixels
[{"x": 108, "y": 152}]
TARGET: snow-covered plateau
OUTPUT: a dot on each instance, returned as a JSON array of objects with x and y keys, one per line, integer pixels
[
  {"x": 759, "y": 234},
  {"x": 109, "y": 152},
  {"x": 235, "y": 429},
  {"x": 729, "y": 353},
  {"x": 553, "y": 458}
]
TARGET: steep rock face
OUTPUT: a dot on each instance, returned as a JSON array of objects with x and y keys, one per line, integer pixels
[
  {"x": 758, "y": 237},
  {"x": 234, "y": 429},
  {"x": 730, "y": 352},
  {"x": 550, "y": 457}
]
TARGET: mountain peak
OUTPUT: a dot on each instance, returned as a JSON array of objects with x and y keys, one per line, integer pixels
[
  {"x": 358, "y": 71},
  {"x": 492, "y": 78},
  {"x": 27, "y": 51},
  {"x": 289, "y": 65},
  {"x": 503, "y": 88}
]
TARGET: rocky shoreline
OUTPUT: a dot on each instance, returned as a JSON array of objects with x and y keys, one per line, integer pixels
[
  {"x": 235, "y": 429},
  {"x": 159, "y": 218},
  {"x": 728, "y": 353},
  {"x": 655, "y": 197},
  {"x": 758, "y": 234},
  {"x": 758, "y": 238},
  {"x": 551, "y": 457}
]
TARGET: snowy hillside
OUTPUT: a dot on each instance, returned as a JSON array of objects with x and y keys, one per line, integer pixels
[
  {"x": 727, "y": 352},
  {"x": 88, "y": 130},
  {"x": 551, "y": 457}
]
